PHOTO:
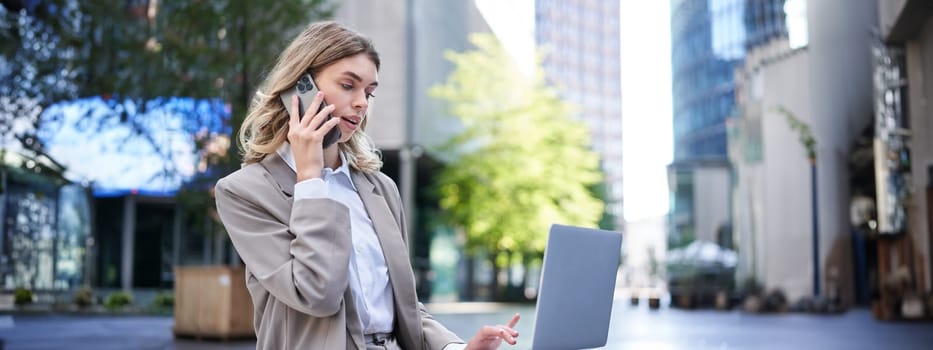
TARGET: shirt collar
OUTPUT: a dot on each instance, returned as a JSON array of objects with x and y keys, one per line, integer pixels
[{"x": 285, "y": 151}]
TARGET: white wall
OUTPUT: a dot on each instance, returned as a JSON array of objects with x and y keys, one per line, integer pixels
[
  {"x": 640, "y": 237},
  {"x": 773, "y": 206},
  {"x": 384, "y": 23},
  {"x": 888, "y": 11},
  {"x": 828, "y": 86},
  {"x": 711, "y": 200},
  {"x": 841, "y": 92},
  {"x": 438, "y": 26},
  {"x": 787, "y": 186},
  {"x": 746, "y": 211}
]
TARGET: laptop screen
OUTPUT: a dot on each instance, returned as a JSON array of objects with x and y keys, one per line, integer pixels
[{"x": 578, "y": 280}]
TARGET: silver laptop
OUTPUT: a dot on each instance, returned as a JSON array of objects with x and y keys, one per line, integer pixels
[{"x": 578, "y": 281}]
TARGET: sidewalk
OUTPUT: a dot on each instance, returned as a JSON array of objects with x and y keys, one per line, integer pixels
[{"x": 630, "y": 328}]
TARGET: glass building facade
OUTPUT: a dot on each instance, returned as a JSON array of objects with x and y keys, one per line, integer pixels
[
  {"x": 43, "y": 224},
  {"x": 581, "y": 43},
  {"x": 708, "y": 39}
]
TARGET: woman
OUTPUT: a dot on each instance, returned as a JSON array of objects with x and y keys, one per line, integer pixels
[{"x": 322, "y": 232}]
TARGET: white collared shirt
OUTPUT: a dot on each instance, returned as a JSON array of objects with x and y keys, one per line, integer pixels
[{"x": 369, "y": 275}]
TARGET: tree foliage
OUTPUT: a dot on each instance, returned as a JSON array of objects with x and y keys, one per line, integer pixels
[
  {"x": 36, "y": 65},
  {"x": 804, "y": 135},
  {"x": 200, "y": 49},
  {"x": 521, "y": 163},
  {"x": 137, "y": 55}
]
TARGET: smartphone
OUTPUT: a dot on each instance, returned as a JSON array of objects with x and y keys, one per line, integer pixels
[{"x": 306, "y": 90}]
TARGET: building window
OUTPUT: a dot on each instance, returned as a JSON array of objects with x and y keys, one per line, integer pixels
[{"x": 796, "y": 18}]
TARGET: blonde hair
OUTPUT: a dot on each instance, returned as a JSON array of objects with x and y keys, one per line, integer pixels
[{"x": 318, "y": 46}]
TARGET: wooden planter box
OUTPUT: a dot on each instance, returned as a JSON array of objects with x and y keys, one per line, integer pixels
[{"x": 212, "y": 302}]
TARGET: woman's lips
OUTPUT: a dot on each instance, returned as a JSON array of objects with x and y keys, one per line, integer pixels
[{"x": 350, "y": 122}]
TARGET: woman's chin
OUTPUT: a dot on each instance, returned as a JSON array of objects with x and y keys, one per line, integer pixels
[{"x": 345, "y": 137}]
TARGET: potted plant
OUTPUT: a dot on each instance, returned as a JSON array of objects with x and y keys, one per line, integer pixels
[
  {"x": 654, "y": 300},
  {"x": 752, "y": 294},
  {"x": 84, "y": 297},
  {"x": 722, "y": 300},
  {"x": 22, "y": 296},
  {"x": 686, "y": 296},
  {"x": 118, "y": 300}
]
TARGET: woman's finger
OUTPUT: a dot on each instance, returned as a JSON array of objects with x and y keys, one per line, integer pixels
[
  {"x": 317, "y": 120},
  {"x": 328, "y": 125},
  {"x": 504, "y": 334},
  {"x": 311, "y": 111},
  {"x": 496, "y": 332},
  {"x": 514, "y": 320},
  {"x": 511, "y": 331}
]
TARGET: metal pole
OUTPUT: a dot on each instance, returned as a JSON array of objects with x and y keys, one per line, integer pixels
[
  {"x": 407, "y": 163},
  {"x": 129, "y": 234},
  {"x": 816, "y": 230}
]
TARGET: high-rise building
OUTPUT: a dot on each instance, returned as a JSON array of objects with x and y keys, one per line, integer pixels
[
  {"x": 708, "y": 39},
  {"x": 580, "y": 41}
]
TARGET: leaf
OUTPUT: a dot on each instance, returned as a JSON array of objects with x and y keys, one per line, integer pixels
[{"x": 521, "y": 163}]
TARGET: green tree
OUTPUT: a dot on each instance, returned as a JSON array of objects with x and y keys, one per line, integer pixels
[
  {"x": 35, "y": 54},
  {"x": 520, "y": 163},
  {"x": 200, "y": 49},
  {"x": 136, "y": 55}
]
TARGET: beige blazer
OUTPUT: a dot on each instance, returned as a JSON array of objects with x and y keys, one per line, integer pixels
[{"x": 297, "y": 257}]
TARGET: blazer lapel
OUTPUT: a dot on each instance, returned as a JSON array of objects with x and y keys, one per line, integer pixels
[
  {"x": 282, "y": 174},
  {"x": 396, "y": 255}
]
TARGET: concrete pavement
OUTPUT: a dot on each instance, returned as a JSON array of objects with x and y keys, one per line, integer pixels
[{"x": 630, "y": 328}]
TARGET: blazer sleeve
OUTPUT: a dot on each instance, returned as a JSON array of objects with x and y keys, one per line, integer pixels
[
  {"x": 436, "y": 336},
  {"x": 303, "y": 263}
]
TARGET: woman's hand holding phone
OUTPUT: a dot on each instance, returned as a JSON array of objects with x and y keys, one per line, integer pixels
[{"x": 306, "y": 135}]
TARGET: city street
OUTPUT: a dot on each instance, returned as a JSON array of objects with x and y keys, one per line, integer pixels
[
  {"x": 773, "y": 154},
  {"x": 631, "y": 328}
]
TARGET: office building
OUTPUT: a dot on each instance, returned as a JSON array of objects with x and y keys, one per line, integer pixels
[
  {"x": 581, "y": 47},
  {"x": 708, "y": 39},
  {"x": 783, "y": 206}
]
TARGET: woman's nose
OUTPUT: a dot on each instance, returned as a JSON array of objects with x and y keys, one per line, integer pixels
[{"x": 360, "y": 103}]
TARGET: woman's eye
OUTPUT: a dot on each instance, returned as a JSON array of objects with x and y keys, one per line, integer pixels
[
  {"x": 370, "y": 95},
  {"x": 347, "y": 86}
]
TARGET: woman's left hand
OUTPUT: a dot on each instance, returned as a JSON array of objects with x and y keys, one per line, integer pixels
[{"x": 489, "y": 337}]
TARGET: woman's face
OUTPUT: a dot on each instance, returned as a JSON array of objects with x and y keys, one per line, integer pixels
[{"x": 348, "y": 84}]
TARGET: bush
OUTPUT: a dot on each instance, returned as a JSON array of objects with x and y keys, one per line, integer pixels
[
  {"x": 22, "y": 296},
  {"x": 164, "y": 300},
  {"x": 776, "y": 301},
  {"x": 84, "y": 296},
  {"x": 118, "y": 300}
]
